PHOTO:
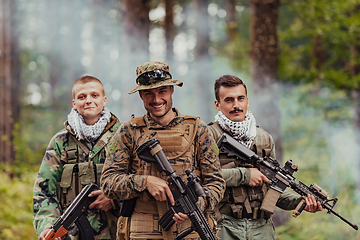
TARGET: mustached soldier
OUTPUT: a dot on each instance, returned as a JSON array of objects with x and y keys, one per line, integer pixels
[
  {"x": 186, "y": 143},
  {"x": 73, "y": 159},
  {"x": 245, "y": 185}
]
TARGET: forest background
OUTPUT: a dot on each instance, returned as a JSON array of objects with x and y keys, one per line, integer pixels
[{"x": 299, "y": 59}]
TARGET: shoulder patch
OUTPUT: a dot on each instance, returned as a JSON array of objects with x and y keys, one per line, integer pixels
[
  {"x": 113, "y": 147},
  {"x": 215, "y": 149},
  {"x": 115, "y": 126}
]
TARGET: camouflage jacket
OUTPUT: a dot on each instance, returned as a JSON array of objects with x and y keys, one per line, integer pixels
[
  {"x": 46, "y": 206},
  {"x": 117, "y": 184}
]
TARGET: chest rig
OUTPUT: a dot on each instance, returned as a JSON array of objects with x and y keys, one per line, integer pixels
[
  {"x": 179, "y": 145},
  {"x": 242, "y": 201},
  {"x": 80, "y": 169}
]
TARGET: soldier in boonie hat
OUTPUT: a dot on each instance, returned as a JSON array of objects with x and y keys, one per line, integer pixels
[
  {"x": 153, "y": 75},
  {"x": 177, "y": 134}
]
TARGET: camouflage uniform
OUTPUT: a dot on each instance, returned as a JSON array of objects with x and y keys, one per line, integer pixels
[
  {"x": 236, "y": 227},
  {"x": 124, "y": 176},
  {"x": 46, "y": 205}
]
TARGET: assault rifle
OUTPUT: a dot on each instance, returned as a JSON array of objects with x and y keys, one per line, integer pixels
[
  {"x": 185, "y": 195},
  {"x": 280, "y": 178},
  {"x": 75, "y": 213}
]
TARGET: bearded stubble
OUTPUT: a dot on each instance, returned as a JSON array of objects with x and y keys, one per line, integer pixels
[{"x": 156, "y": 115}]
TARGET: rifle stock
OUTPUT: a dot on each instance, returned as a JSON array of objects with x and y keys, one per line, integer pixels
[{"x": 280, "y": 178}]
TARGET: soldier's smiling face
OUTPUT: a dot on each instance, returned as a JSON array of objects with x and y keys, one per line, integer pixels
[
  {"x": 158, "y": 102},
  {"x": 89, "y": 100},
  {"x": 233, "y": 102}
]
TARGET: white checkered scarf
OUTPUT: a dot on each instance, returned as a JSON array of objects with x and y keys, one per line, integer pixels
[
  {"x": 89, "y": 133},
  {"x": 244, "y": 131}
]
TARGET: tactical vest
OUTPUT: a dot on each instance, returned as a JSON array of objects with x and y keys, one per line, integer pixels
[
  {"x": 77, "y": 175},
  {"x": 237, "y": 199},
  {"x": 179, "y": 146}
]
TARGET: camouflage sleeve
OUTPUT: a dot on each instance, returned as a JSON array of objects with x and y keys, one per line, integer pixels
[
  {"x": 45, "y": 202},
  {"x": 117, "y": 181},
  {"x": 288, "y": 200},
  {"x": 212, "y": 179}
]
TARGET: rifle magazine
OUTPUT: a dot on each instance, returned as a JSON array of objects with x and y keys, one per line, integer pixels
[
  {"x": 271, "y": 197},
  {"x": 166, "y": 221}
]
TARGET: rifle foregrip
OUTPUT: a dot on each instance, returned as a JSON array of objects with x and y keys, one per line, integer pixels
[
  {"x": 201, "y": 226},
  {"x": 299, "y": 208},
  {"x": 184, "y": 233}
]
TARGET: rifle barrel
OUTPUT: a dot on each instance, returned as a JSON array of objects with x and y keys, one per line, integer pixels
[{"x": 330, "y": 210}]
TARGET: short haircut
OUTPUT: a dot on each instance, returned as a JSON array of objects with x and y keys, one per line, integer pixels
[
  {"x": 227, "y": 81},
  {"x": 86, "y": 79}
]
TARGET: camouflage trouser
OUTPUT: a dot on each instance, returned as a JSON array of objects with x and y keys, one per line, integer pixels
[{"x": 246, "y": 229}]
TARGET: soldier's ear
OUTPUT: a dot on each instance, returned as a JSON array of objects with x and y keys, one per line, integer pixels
[
  {"x": 217, "y": 105},
  {"x": 140, "y": 94}
]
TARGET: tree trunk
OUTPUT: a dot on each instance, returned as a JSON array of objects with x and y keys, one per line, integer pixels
[
  {"x": 9, "y": 80},
  {"x": 264, "y": 68},
  {"x": 231, "y": 24},
  {"x": 135, "y": 49},
  {"x": 204, "y": 80},
  {"x": 319, "y": 53},
  {"x": 264, "y": 71}
]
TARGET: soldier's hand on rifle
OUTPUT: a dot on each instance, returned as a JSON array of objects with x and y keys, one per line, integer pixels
[
  {"x": 311, "y": 204},
  {"x": 101, "y": 202},
  {"x": 257, "y": 178},
  {"x": 180, "y": 217},
  {"x": 43, "y": 234},
  {"x": 159, "y": 189}
]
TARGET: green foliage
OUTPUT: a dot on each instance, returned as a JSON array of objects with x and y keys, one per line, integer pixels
[
  {"x": 33, "y": 133},
  {"x": 312, "y": 118},
  {"x": 16, "y": 202},
  {"x": 336, "y": 26},
  {"x": 237, "y": 50}
]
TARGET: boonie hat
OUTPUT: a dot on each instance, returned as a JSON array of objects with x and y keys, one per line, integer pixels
[{"x": 152, "y": 75}]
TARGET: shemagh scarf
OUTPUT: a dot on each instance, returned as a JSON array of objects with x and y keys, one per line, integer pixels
[
  {"x": 89, "y": 133},
  {"x": 244, "y": 131}
]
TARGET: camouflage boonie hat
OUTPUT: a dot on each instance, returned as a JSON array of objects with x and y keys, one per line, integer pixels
[{"x": 153, "y": 75}]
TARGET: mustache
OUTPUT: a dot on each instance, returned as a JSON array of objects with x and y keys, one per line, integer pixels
[{"x": 236, "y": 110}]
